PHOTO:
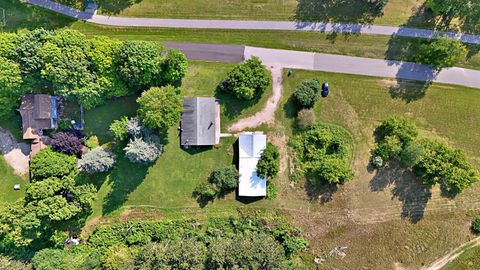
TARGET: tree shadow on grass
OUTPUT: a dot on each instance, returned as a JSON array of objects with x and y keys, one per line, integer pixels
[
  {"x": 321, "y": 193},
  {"x": 25, "y": 16},
  {"x": 233, "y": 106},
  {"x": 116, "y": 6},
  {"x": 338, "y": 13},
  {"x": 124, "y": 179},
  {"x": 406, "y": 188}
]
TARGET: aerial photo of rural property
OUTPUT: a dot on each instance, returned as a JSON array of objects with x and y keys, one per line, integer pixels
[{"x": 239, "y": 134}]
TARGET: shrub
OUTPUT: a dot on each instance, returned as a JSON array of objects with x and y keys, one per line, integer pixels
[
  {"x": 118, "y": 128},
  {"x": 174, "y": 67},
  {"x": 307, "y": 93},
  {"x": 97, "y": 160},
  {"x": 476, "y": 225},
  {"x": 333, "y": 171},
  {"x": 48, "y": 163},
  {"x": 225, "y": 178},
  {"x": 143, "y": 151},
  {"x": 135, "y": 128},
  {"x": 377, "y": 161},
  {"x": 396, "y": 126},
  {"x": 247, "y": 80},
  {"x": 205, "y": 191},
  {"x": 306, "y": 118},
  {"x": 323, "y": 153},
  {"x": 68, "y": 142},
  {"x": 160, "y": 108},
  {"x": 92, "y": 142},
  {"x": 272, "y": 191},
  {"x": 269, "y": 164},
  {"x": 389, "y": 148},
  {"x": 411, "y": 154},
  {"x": 294, "y": 244}
]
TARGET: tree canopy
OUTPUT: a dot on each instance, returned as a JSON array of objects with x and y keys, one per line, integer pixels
[
  {"x": 441, "y": 52},
  {"x": 307, "y": 93},
  {"x": 48, "y": 163},
  {"x": 269, "y": 164},
  {"x": 247, "y": 80},
  {"x": 160, "y": 107}
]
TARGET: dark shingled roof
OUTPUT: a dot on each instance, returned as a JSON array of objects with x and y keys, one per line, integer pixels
[
  {"x": 198, "y": 125},
  {"x": 36, "y": 115}
]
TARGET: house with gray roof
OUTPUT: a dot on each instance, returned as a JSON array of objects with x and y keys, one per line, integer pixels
[{"x": 200, "y": 125}]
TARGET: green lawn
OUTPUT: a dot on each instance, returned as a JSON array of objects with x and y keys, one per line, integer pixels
[
  {"x": 469, "y": 260},
  {"x": 7, "y": 180},
  {"x": 170, "y": 181}
]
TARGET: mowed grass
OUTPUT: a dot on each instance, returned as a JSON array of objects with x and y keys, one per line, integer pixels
[
  {"x": 375, "y": 202},
  {"x": 468, "y": 260},
  {"x": 396, "y": 12},
  {"x": 169, "y": 183},
  {"x": 7, "y": 180}
]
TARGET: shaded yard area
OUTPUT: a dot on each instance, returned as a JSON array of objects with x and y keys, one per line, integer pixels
[{"x": 7, "y": 180}]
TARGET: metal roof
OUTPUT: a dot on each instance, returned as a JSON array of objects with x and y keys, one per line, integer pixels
[
  {"x": 199, "y": 122},
  {"x": 251, "y": 145}
]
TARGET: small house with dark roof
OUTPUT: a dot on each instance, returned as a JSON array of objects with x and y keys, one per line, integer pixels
[
  {"x": 39, "y": 112},
  {"x": 200, "y": 124}
]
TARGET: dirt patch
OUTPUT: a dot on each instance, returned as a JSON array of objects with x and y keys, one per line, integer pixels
[
  {"x": 16, "y": 154},
  {"x": 267, "y": 114}
]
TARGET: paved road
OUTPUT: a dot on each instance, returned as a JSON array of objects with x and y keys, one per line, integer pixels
[
  {"x": 210, "y": 52},
  {"x": 331, "y": 63},
  {"x": 252, "y": 25}
]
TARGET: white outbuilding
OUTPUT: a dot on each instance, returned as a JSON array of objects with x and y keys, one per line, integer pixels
[{"x": 251, "y": 145}]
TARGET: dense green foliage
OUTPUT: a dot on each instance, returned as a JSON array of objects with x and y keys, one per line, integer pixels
[
  {"x": 10, "y": 85},
  {"x": 86, "y": 71},
  {"x": 9, "y": 264},
  {"x": 307, "y": 93},
  {"x": 247, "y": 80},
  {"x": 48, "y": 163},
  {"x": 77, "y": 257},
  {"x": 142, "y": 65},
  {"x": 225, "y": 178},
  {"x": 97, "y": 160},
  {"x": 50, "y": 206},
  {"x": 441, "y": 52},
  {"x": 476, "y": 225},
  {"x": 466, "y": 10},
  {"x": 323, "y": 153},
  {"x": 433, "y": 161},
  {"x": 269, "y": 164},
  {"x": 222, "y": 180},
  {"x": 92, "y": 142},
  {"x": 440, "y": 164},
  {"x": 118, "y": 129},
  {"x": 160, "y": 108}
]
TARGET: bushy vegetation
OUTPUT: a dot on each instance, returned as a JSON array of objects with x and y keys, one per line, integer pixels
[
  {"x": 222, "y": 180},
  {"x": 118, "y": 129},
  {"x": 323, "y": 154},
  {"x": 86, "y": 71},
  {"x": 139, "y": 150},
  {"x": 305, "y": 119},
  {"x": 307, "y": 93},
  {"x": 92, "y": 142},
  {"x": 247, "y": 80},
  {"x": 68, "y": 142},
  {"x": 48, "y": 163},
  {"x": 160, "y": 108},
  {"x": 97, "y": 160},
  {"x": 269, "y": 164},
  {"x": 433, "y": 161},
  {"x": 476, "y": 225}
]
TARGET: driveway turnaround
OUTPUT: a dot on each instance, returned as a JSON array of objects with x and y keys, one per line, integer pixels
[{"x": 249, "y": 25}]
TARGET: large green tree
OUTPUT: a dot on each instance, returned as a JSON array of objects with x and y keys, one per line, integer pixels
[
  {"x": 139, "y": 64},
  {"x": 10, "y": 86},
  {"x": 269, "y": 163},
  {"x": 160, "y": 107},
  {"x": 247, "y": 80},
  {"x": 48, "y": 163},
  {"x": 441, "y": 52}
]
